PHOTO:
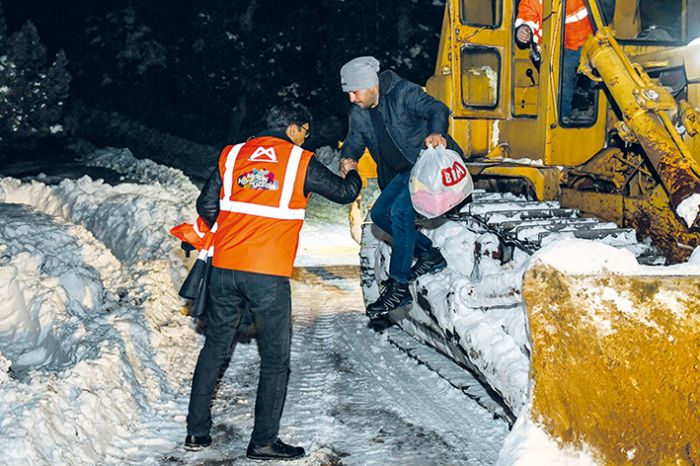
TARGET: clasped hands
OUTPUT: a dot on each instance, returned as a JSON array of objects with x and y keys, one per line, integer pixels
[{"x": 347, "y": 165}]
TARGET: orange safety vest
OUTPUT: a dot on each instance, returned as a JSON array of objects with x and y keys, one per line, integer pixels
[
  {"x": 197, "y": 234},
  {"x": 261, "y": 206},
  {"x": 577, "y": 24}
]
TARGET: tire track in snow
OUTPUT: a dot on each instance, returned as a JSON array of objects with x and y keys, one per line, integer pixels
[{"x": 353, "y": 397}]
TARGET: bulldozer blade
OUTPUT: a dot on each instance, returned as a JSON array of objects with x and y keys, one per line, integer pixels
[{"x": 615, "y": 363}]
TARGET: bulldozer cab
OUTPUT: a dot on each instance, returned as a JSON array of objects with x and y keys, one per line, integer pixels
[{"x": 510, "y": 102}]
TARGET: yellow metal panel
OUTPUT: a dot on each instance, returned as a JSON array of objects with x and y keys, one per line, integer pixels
[
  {"x": 575, "y": 146},
  {"x": 545, "y": 182},
  {"x": 479, "y": 136},
  {"x": 601, "y": 205},
  {"x": 526, "y": 88},
  {"x": 366, "y": 168},
  {"x": 500, "y": 38},
  {"x": 460, "y": 129},
  {"x": 440, "y": 87},
  {"x": 525, "y": 137}
]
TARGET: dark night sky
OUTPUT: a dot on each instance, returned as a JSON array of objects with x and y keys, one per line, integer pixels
[{"x": 206, "y": 70}]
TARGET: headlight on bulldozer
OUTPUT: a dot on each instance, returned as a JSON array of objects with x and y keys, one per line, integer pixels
[{"x": 691, "y": 58}]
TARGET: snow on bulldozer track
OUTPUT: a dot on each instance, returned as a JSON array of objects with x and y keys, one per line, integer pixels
[{"x": 96, "y": 358}]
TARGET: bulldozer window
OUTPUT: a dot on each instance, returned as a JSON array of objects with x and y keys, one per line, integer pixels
[
  {"x": 661, "y": 21},
  {"x": 481, "y": 12},
  {"x": 654, "y": 21},
  {"x": 607, "y": 8},
  {"x": 480, "y": 76}
]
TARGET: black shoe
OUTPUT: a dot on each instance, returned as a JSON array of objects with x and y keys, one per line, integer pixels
[
  {"x": 193, "y": 442},
  {"x": 393, "y": 296},
  {"x": 277, "y": 450},
  {"x": 431, "y": 262}
]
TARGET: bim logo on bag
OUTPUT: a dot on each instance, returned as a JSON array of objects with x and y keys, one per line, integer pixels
[{"x": 454, "y": 174}]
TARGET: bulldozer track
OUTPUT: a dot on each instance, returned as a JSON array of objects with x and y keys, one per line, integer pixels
[
  {"x": 518, "y": 223},
  {"x": 528, "y": 224}
]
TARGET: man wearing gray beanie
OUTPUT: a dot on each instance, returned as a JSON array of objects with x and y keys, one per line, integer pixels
[{"x": 395, "y": 119}]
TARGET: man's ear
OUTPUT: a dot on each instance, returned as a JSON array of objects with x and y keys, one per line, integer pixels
[{"x": 291, "y": 129}]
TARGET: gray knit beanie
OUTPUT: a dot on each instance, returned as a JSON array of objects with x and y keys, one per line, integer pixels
[{"x": 359, "y": 73}]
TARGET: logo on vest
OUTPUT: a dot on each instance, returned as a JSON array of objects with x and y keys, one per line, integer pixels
[
  {"x": 258, "y": 179},
  {"x": 264, "y": 154},
  {"x": 454, "y": 174}
]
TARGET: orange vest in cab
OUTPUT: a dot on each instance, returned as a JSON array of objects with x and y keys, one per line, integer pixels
[
  {"x": 261, "y": 206},
  {"x": 577, "y": 24}
]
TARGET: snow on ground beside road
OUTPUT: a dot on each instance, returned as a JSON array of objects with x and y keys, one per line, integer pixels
[
  {"x": 101, "y": 358},
  {"x": 89, "y": 318},
  {"x": 326, "y": 244},
  {"x": 96, "y": 359}
]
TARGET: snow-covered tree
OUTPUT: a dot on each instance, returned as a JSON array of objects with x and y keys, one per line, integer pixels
[
  {"x": 124, "y": 44},
  {"x": 32, "y": 90}
]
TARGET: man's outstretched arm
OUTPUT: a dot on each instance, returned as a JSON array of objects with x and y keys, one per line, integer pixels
[{"x": 321, "y": 180}]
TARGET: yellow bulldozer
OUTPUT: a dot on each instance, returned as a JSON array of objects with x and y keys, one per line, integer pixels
[{"x": 624, "y": 160}]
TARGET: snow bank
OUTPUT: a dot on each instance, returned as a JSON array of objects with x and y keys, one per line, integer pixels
[
  {"x": 131, "y": 219},
  {"x": 529, "y": 445},
  {"x": 96, "y": 359},
  {"x": 89, "y": 317},
  {"x": 578, "y": 256}
]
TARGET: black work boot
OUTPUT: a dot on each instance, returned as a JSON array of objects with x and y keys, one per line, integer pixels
[
  {"x": 194, "y": 442},
  {"x": 393, "y": 296},
  {"x": 277, "y": 450},
  {"x": 430, "y": 262}
]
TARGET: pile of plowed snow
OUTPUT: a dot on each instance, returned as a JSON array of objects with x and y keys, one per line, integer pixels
[
  {"x": 94, "y": 354},
  {"x": 90, "y": 350}
]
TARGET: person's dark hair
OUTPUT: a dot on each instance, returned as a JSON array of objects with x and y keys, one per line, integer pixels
[{"x": 287, "y": 113}]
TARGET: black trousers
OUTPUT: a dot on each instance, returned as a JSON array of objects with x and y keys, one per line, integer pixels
[{"x": 268, "y": 297}]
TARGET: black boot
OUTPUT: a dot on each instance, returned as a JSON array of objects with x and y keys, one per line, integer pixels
[
  {"x": 193, "y": 442},
  {"x": 430, "y": 262},
  {"x": 393, "y": 296},
  {"x": 277, "y": 450}
]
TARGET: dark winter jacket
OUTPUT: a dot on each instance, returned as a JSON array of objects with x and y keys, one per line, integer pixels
[
  {"x": 410, "y": 115},
  {"x": 319, "y": 179}
]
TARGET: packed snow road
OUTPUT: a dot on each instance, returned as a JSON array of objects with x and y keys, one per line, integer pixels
[
  {"x": 353, "y": 397},
  {"x": 96, "y": 358}
]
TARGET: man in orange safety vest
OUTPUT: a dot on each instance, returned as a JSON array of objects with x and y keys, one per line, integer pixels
[
  {"x": 254, "y": 203},
  {"x": 528, "y": 30}
]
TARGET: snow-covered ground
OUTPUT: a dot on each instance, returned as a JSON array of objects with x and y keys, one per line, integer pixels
[{"x": 96, "y": 357}]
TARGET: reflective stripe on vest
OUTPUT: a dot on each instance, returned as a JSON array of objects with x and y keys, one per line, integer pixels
[
  {"x": 282, "y": 212},
  {"x": 581, "y": 14},
  {"x": 208, "y": 251}
]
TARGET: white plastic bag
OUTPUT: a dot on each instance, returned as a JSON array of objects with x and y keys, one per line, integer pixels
[{"x": 439, "y": 181}]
